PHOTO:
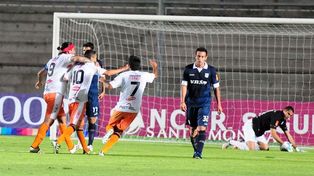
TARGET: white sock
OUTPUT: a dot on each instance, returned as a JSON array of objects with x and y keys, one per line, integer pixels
[{"x": 239, "y": 145}]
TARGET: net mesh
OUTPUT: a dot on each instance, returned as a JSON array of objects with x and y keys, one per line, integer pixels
[{"x": 261, "y": 67}]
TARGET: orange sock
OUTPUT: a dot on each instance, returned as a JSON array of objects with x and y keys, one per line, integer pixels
[
  {"x": 112, "y": 140},
  {"x": 40, "y": 135},
  {"x": 67, "y": 137},
  {"x": 81, "y": 137},
  {"x": 62, "y": 127}
]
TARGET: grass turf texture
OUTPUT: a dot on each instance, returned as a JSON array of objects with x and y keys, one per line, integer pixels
[{"x": 148, "y": 158}]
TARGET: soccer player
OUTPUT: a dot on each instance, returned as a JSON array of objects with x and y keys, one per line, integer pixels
[
  {"x": 88, "y": 46},
  {"x": 54, "y": 90},
  {"x": 92, "y": 105},
  {"x": 254, "y": 130},
  {"x": 80, "y": 78},
  {"x": 198, "y": 78},
  {"x": 132, "y": 84}
]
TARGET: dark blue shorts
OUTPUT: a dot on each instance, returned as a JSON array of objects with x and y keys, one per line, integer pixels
[
  {"x": 197, "y": 116},
  {"x": 92, "y": 106}
]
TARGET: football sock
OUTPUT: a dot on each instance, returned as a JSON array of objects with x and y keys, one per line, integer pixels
[
  {"x": 193, "y": 143},
  {"x": 40, "y": 135},
  {"x": 112, "y": 140},
  {"x": 67, "y": 137},
  {"x": 62, "y": 127},
  {"x": 200, "y": 140},
  {"x": 239, "y": 145},
  {"x": 91, "y": 133},
  {"x": 81, "y": 137}
]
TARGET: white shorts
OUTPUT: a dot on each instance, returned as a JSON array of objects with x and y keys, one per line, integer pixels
[{"x": 249, "y": 134}]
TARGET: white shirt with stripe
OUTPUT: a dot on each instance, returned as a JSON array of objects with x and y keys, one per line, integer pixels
[{"x": 132, "y": 84}]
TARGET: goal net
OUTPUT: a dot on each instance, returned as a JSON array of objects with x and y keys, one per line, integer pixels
[{"x": 263, "y": 64}]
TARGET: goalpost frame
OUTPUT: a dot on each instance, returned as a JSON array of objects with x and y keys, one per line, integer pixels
[{"x": 58, "y": 15}]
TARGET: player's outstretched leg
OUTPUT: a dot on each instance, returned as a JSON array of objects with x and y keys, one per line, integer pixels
[
  {"x": 107, "y": 136},
  {"x": 111, "y": 141},
  {"x": 66, "y": 136}
]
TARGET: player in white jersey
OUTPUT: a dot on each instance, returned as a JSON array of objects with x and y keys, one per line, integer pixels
[
  {"x": 132, "y": 84},
  {"x": 54, "y": 90},
  {"x": 80, "y": 78}
]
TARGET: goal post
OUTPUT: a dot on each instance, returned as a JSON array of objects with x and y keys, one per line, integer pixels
[{"x": 264, "y": 63}]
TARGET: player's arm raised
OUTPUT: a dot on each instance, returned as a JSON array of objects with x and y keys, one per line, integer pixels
[{"x": 154, "y": 65}]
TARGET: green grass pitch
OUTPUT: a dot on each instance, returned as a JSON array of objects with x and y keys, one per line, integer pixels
[{"x": 149, "y": 158}]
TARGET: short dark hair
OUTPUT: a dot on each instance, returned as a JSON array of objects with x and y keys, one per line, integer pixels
[
  {"x": 289, "y": 108},
  {"x": 134, "y": 62},
  {"x": 89, "y": 44},
  {"x": 201, "y": 49},
  {"x": 89, "y": 53}
]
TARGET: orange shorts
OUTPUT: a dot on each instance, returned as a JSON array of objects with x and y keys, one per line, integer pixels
[
  {"x": 77, "y": 113},
  {"x": 54, "y": 105},
  {"x": 122, "y": 120}
]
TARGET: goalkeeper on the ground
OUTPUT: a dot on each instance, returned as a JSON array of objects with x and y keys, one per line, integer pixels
[{"x": 254, "y": 130}]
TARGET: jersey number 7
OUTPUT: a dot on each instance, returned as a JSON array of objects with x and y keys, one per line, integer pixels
[{"x": 137, "y": 84}]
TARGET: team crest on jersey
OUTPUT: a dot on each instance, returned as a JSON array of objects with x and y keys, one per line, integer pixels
[{"x": 206, "y": 75}]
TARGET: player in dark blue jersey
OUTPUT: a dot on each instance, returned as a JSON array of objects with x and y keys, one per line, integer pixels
[{"x": 198, "y": 80}]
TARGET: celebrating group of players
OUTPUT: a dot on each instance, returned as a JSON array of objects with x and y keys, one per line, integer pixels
[{"x": 76, "y": 78}]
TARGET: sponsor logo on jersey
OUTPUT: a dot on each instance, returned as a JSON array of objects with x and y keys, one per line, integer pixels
[
  {"x": 191, "y": 74},
  {"x": 127, "y": 106},
  {"x": 130, "y": 98},
  {"x": 198, "y": 82}
]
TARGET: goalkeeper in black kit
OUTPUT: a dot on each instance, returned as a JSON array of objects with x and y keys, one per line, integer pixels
[{"x": 254, "y": 129}]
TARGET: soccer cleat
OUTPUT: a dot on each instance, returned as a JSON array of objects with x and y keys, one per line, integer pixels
[
  {"x": 56, "y": 147},
  {"x": 90, "y": 147},
  {"x": 87, "y": 153},
  {"x": 34, "y": 150},
  {"x": 79, "y": 145},
  {"x": 197, "y": 155},
  {"x": 90, "y": 150},
  {"x": 106, "y": 137},
  {"x": 74, "y": 149},
  {"x": 101, "y": 153},
  {"x": 225, "y": 145}
]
